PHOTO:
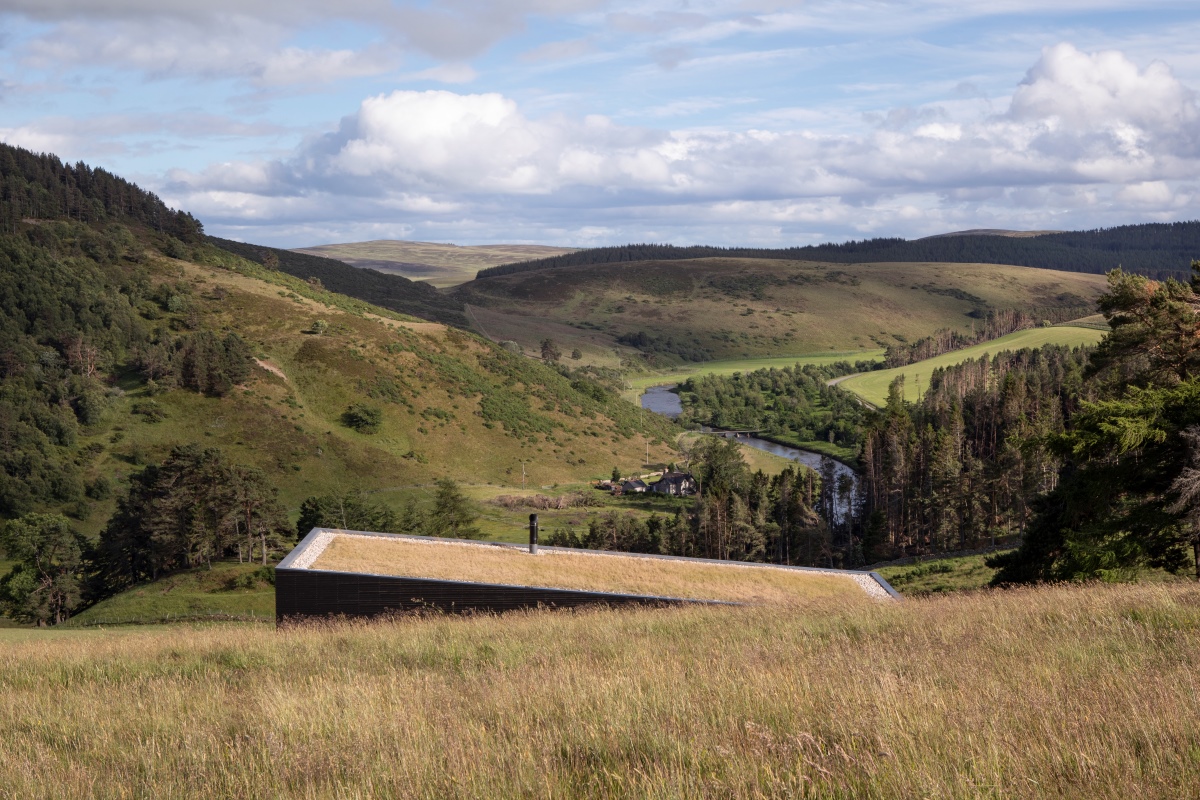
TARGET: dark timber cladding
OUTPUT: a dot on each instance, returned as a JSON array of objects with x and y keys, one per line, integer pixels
[{"x": 301, "y": 593}]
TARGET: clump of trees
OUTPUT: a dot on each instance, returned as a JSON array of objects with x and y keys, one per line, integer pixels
[
  {"x": 363, "y": 418},
  {"x": 792, "y": 401},
  {"x": 452, "y": 514},
  {"x": 191, "y": 509},
  {"x": 46, "y": 583},
  {"x": 1126, "y": 498},
  {"x": 201, "y": 361},
  {"x": 964, "y": 466}
]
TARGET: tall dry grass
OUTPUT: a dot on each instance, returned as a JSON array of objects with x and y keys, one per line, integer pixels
[
  {"x": 1053, "y": 692},
  {"x": 582, "y": 570}
]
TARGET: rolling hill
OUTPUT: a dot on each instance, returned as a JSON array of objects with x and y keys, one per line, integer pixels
[
  {"x": 679, "y": 311},
  {"x": 433, "y": 263},
  {"x": 1159, "y": 250}
]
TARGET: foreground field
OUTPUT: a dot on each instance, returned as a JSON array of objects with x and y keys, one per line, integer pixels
[
  {"x": 1053, "y": 692},
  {"x": 873, "y": 386},
  {"x": 587, "y": 571}
]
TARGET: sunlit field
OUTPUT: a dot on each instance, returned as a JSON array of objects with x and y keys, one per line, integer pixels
[
  {"x": 1052, "y": 692},
  {"x": 873, "y": 386}
]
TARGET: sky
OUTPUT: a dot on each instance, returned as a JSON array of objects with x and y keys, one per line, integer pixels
[{"x": 766, "y": 123}]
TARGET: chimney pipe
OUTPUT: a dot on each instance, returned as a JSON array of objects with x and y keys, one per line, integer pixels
[{"x": 533, "y": 534}]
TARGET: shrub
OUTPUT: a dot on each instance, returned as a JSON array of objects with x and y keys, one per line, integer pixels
[{"x": 363, "y": 418}]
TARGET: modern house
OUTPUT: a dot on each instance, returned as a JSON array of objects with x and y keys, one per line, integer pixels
[
  {"x": 339, "y": 573},
  {"x": 679, "y": 484}
]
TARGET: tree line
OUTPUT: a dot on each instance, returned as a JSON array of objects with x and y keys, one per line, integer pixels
[
  {"x": 1128, "y": 494},
  {"x": 194, "y": 508},
  {"x": 1158, "y": 250},
  {"x": 964, "y": 465},
  {"x": 39, "y": 186}
]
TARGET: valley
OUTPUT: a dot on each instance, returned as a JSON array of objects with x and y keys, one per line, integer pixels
[{"x": 440, "y": 265}]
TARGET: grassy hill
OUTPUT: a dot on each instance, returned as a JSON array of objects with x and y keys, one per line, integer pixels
[
  {"x": 873, "y": 386},
  {"x": 433, "y": 263},
  {"x": 1064, "y": 691},
  {"x": 726, "y": 308},
  {"x": 453, "y": 405}
]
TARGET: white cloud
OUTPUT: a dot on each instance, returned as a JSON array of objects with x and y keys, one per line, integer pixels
[
  {"x": 558, "y": 51},
  {"x": 1084, "y": 132},
  {"x": 444, "y": 73}
]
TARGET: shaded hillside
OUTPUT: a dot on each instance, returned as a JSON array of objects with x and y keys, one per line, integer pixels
[
  {"x": 1159, "y": 250},
  {"x": 382, "y": 289},
  {"x": 677, "y": 311}
]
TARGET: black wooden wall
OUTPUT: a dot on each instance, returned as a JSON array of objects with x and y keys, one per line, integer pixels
[{"x": 304, "y": 593}]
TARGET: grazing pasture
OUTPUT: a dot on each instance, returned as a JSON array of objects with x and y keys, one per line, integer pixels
[{"x": 873, "y": 386}]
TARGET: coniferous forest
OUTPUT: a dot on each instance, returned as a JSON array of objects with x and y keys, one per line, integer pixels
[{"x": 1089, "y": 457}]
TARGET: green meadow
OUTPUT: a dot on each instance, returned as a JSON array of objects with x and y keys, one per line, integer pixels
[
  {"x": 638, "y": 384},
  {"x": 873, "y": 386}
]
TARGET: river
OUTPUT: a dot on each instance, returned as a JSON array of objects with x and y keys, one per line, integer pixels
[{"x": 662, "y": 400}]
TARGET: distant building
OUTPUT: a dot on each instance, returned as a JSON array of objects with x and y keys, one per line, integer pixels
[
  {"x": 679, "y": 484},
  {"x": 634, "y": 486}
]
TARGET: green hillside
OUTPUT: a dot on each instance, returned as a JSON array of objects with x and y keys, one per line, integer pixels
[
  {"x": 682, "y": 311},
  {"x": 434, "y": 263},
  {"x": 873, "y": 386},
  {"x": 109, "y": 326}
]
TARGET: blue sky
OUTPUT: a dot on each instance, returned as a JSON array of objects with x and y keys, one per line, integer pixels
[{"x": 585, "y": 122}]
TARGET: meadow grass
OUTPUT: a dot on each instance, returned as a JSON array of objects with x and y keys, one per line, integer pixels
[
  {"x": 940, "y": 575},
  {"x": 1072, "y": 691},
  {"x": 587, "y": 571},
  {"x": 227, "y": 590},
  {"x": 873, "y": 386},
  {"x": 501, "y": 524}
]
